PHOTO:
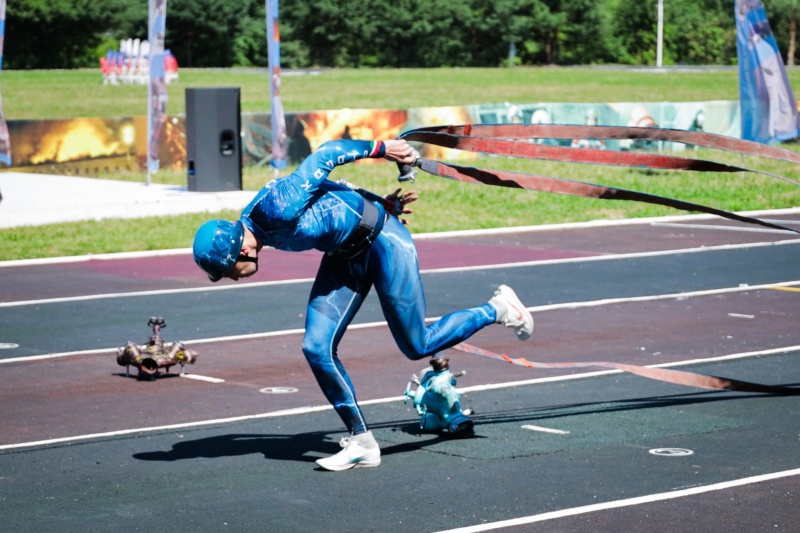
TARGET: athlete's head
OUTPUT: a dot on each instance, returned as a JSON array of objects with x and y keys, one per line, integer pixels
[{"x": 217, "y": 247}]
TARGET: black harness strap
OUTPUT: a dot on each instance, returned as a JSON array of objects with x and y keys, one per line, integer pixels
[{"x": 370, "y": 225}]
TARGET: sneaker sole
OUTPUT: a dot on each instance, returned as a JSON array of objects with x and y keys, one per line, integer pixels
[{"x": 342, "y": 468}]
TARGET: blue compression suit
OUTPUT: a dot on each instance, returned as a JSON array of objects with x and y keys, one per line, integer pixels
[{"x": 305, "y": 210}]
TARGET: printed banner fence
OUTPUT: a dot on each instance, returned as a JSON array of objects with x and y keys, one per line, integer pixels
[{"x": 85, "y": 146}]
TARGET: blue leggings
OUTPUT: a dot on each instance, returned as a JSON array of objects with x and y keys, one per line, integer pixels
[{"x": 391, "y": 265}]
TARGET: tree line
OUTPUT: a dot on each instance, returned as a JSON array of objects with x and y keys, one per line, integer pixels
[{"x": 392, "y": 33}]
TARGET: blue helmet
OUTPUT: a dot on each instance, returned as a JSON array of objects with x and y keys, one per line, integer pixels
[{"x": 216, "y": 248}]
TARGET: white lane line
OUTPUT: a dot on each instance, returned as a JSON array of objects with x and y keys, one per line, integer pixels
[
  {"x": 91, "y": 297},
  {"x": 782, "y": 222},
  {"x": 720, "y": 228},
  {"x": 198, "y": 377},
  {"x": 433, "y": 236},
  {"x": 545, "y": 430},
  {"x": 31, "y": 358},
  {"x": 738, "y": 315},
  {"x": 650, "y": 498},
  {"x": 65, "y": 440},
  {"x": 603, "y": 257},
  {"x": 783, "y": 285},
  {"x": 315, "y": 409},
  {"x": 672, "y": 296}
]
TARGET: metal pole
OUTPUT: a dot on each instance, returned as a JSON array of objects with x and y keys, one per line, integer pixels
[{"x": 659, "y": 46}]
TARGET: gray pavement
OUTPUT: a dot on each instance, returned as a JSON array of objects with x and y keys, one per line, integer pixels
[{"x": 36, "y": 199}]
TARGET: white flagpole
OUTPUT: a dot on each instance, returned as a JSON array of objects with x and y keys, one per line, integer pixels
[{"x": 660, "y": 46}]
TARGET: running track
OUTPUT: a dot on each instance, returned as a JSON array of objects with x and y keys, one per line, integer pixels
[{"x": 83, "y": 448}]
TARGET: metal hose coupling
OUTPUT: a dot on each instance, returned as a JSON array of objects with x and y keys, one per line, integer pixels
[
  {"x": 407, "y": 171},
  {"x": 155, "y": 354}
]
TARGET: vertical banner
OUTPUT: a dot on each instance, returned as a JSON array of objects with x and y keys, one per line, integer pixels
[
  {"x": 278, "y": 121},
  {"x": 5, "y": 142},
  {"x": 157, "y": 88},
  {"x": 769, "y": 110}
]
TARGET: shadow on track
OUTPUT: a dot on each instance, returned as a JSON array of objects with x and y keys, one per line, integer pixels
[
  {"x": 653, "y": 402},
  {"x": 281, "y": 447}
]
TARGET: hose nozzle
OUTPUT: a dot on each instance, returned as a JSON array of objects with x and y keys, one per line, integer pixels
[{"x": 407, "y": 171}]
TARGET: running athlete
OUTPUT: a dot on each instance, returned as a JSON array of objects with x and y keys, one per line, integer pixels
[{"x": 366, "y": 244}]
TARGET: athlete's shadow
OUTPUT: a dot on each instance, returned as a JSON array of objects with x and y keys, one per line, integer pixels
[
  {"x": 628, "y": 404},
  {"x": 307, "y": 447},
  {"x": 303, "y": 447},
  {"x": 280, "y": 447}
]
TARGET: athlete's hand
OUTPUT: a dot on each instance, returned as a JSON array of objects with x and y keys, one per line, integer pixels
[
  {"x": 399, "y": 151},
  {"x": 397, "y": 203}
]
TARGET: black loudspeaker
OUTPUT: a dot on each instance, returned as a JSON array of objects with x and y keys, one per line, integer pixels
[{"x": 213, "y": 139}]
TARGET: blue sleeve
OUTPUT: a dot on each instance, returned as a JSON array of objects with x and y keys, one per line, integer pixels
[{"x": 294, "y": 193}]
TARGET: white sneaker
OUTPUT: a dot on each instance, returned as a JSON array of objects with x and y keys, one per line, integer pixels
[
  {"x": 360, "y": 451},
  {"x": 511, "y": 312}
]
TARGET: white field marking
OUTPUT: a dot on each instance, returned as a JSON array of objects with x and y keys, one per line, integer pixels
[
  {"x": 91, "y": 257},
  {"x": 604, "y": 257},
  {"x": 782, "y": 222},
  {"x": 672, "y": 296},
  {"x": 65, "y": 440},
  {"x": 723, "y": 228},
  {"x": 650, "y": 498},
  {"x": 319, "y": 408},
  {"x": 198, "y": 377},
  {"x": 603, "y": 224},
  {"x": 545, "y": 430},
  {"x": 737, "y": 315},
  {"x": 29, "y": 358},
  {"x": 671, "y": 452},
  {"x": 784, "y": 285},
  {"x": 432, "y": 236},
  {"x": 278, "y": 390},
  {"x": 151, "y": 293},
  {"x": 612, "y": 257}
]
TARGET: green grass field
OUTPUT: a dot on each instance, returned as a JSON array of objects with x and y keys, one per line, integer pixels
[
  {"x": 443, "y": 205},
  {"x": 80, "y": 93}
]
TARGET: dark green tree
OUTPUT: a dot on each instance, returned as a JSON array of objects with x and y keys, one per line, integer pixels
[
  {"x": 422, "y": 33},
  {"x": 391, "y": 33},
  {"x": 699, "y": 32},
  {"x": 496, "y": 25},
  {"x": 320, "y": 26},
  {"x": 784, "y": 18},
  {"x": 44, "y": 34},
  {"x": 250, "y": 44},
  {"x": 203, "y": 33},
  {"x": 635, "y": 24},
  {"x": 583, "y": 36}
]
